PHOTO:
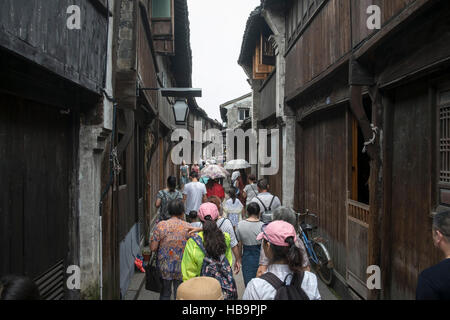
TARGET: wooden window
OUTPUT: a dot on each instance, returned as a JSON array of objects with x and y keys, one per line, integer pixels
[
  {"x": 444, "y": 138},
  {"x": 161, "y": 9},
  {"x": 360, "y": 161},
  {"x": 163, "y": 26},
  {"x": 244, "y": 114},
  {"x": 260, "y": 70}
]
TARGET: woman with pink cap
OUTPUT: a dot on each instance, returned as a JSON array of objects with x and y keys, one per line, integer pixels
[
  {"x": 215, "y": 242},
  {"x": 285, "y": 266}
]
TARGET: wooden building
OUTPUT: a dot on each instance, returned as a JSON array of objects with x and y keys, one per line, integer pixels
[
  {"x": 259, "y": 61},
  {"x": 52, "y": 80},
  {"x": 348, "y": 85},
  {"x": 153, "y": 52}
]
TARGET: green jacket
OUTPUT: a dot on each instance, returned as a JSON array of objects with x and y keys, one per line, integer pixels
[{"x": 191, "y": 265}]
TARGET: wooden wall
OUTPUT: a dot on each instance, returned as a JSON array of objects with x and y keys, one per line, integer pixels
[
  {"x": 411, "y": 200},
  {"x": 338, "y": 27},
  {"x": 268, "y": 105},
  {"x": 324, "y": 178},
  {"x": 146, "y": 59},
  {"x": 35, "y": 173},
  {"x": 389, "y": 9},
  {"x": 37, "y": 30},
  {"x": 325, "y": 41}
]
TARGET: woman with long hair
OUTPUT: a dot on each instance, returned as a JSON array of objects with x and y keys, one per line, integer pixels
[
  {"x": 209, "y": 253},
  {"x": 285, "y": 266},
  {"x": 214, "y": 240}
]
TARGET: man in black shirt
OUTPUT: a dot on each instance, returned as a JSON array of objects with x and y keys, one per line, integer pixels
[{"x": 434, "y": 283}]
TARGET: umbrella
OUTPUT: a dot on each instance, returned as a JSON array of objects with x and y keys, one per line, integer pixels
[
  {"x": 214, "y": 172},
  {"x": 237, "y": 165}
]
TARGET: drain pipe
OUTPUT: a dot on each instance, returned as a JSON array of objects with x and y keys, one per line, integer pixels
[
  {"x": 111, "y": 178},
  {"x": 106, "y": 191}
]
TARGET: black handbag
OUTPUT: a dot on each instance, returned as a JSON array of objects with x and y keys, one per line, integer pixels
[{"x": 153, "y": 280}]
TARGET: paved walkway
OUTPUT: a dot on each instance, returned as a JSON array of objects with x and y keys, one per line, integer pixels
[{"x": 137, "y": 289}]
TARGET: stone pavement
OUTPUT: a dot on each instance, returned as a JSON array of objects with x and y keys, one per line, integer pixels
[{"x": 137, "y": 289}]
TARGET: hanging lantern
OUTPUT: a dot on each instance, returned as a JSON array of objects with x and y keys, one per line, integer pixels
[{"x": 181, "y": 112}]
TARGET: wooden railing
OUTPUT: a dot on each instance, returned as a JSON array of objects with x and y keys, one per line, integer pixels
[{"x": 358, "y": 211}]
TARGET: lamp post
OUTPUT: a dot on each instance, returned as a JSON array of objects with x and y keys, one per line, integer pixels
[{"x": 180, "y": 108}]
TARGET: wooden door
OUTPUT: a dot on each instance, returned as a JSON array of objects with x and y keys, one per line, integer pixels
[
  {"x": 36, "y": 162},
  {"x": 357, "y": 212}
]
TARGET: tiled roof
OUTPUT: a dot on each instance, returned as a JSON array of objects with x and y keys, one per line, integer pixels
[{"x": 254, "y": 23}]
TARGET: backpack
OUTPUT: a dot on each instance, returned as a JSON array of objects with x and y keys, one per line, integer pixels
[
  {"x": 220, "y": 270},
  {"x": 163, "y": 210},
  {"x": 267, "y": 215},
  {"x": 293, "y": 291}
]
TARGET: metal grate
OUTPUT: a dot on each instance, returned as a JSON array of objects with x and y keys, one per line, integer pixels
[
  {"x": 51, "y": 283},
  {"x": 444, "y": 144}
]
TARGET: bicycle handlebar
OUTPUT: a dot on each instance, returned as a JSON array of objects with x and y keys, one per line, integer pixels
[{"x": 308, "y": 214}]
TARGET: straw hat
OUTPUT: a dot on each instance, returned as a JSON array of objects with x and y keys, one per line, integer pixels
[{"x": 201, "y": 288}]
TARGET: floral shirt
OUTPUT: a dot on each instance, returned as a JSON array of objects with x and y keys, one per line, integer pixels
[{"x": 172, "y": 236}]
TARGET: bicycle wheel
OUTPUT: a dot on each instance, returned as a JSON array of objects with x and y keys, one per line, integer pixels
[{"x": 323, "y": 268}]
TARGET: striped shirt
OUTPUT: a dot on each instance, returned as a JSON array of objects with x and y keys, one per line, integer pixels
[{"x": 225, "y": 225}]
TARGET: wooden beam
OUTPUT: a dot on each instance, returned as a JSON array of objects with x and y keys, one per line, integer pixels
[
  {"x": 356, "y": 105},
  {"x": 358, "y": 75}
]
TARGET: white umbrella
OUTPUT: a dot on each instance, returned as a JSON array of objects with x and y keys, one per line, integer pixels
[{"x": 237, "y": 165}]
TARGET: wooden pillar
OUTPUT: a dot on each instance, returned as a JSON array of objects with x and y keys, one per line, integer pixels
[{"x": 376, "y": 188}]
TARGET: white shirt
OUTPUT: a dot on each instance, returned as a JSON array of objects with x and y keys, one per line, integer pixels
[
  {"x": 194, "y": 192},
  {"x": 259, "y": 289},
  {"x": 231, "y": 207}
]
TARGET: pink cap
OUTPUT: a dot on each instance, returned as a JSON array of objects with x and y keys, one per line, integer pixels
[
  {"x": 208, "y": 209},
  {"x": 277, "y": 232}
]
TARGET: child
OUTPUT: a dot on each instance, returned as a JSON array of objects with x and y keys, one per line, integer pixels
[
  {"x": 233, "y": 208},
  {"x": 194, "y": 220}
]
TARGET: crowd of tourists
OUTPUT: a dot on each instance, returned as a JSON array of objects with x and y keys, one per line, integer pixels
[
  {"x": 213, "y": 234},
  {"x": 205, "y": 237},
  {"x": 205, "y": 233}
]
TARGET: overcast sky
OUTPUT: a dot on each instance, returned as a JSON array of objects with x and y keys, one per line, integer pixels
[{"x": 217, "y": 28}]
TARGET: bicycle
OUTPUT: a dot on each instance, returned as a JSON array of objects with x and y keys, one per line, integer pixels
[{"x": 317, "y": 252}]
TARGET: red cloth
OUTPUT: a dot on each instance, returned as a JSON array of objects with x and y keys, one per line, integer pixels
[{"x": 216, "y": 190}]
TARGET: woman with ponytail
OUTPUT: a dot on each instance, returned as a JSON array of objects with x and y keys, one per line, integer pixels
[
  {"x": 233, "y": 208},
  {"x": 286, "y": 264},
  {"x": 215, "y": 242}
]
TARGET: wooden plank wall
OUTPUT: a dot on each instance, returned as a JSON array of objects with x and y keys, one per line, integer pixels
[
  {"x": 325, "y": 41},
  {"x": 411, "y": 200},
  {"x": 35, "y": 172},
  {"x": 389, "y": 9},
  {"x": 324, "y": 171},
  {"x": 37, "y": 30},
  {"x": 268, "y": 105},
  {"x": 146, "y": 63},
  {"x": 339, "y": 26}
]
